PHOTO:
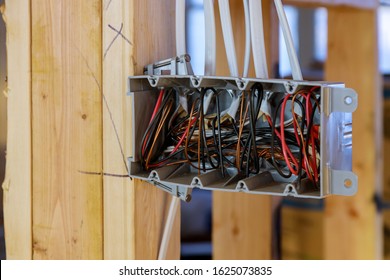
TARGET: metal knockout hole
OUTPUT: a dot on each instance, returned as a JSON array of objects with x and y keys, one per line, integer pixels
[
  {"x": 348, "y": 183},
  {"x": 348, "y": 100},
  {"x": 196, "y": 82},
  {"x": 152, "y": 81}
]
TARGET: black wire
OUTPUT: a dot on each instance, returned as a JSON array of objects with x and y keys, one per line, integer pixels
[
  {"x": 201, "y": 123},
  {"x": 220, "y": 138},
  {"x": 212, "y": 155},
  {"x": 252, "y": 138},
  {"x": 208, "y": 153},
  {"x": 214, "y": 137}
]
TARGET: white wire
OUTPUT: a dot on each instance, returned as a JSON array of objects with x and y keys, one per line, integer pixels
[
  {"x": 162, "y": 254},
  {"x": 180, "y": 27},
  {"x": 247, "y": 55},
  {"x": 258, "y": 44},
  {"x": 226, "y": 22},
  {"x": 210, "y": 40},
  {"x": 292, "y": 55}
]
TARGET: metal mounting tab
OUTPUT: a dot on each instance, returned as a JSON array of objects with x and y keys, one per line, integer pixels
[
  {"x": 173, "y": 66},
  {"x": 337, "y": 99}
]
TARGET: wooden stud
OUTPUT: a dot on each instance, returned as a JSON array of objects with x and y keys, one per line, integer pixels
[
  {"x": 350, "y": 225},
  {"x": 67, "y": 129},
  {"x": 242, "y": 222},
  {"x": 80, "y": 115},
  {"x": 17, "y": 183},
  {"x": 134, "y": 211},
  {"x": 156, "y": 41},
  {"x": 119, "y": 194}
]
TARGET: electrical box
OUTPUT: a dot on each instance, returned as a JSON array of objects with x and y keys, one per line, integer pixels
[{"x": 259, "y": 136}]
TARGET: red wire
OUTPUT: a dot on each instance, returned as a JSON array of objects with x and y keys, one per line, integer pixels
[
  {"x": 156, "y": 107},
  {"x": 183, "y": 137},
  {"x": 296, "y": 132},
  {"x": 286, "y": 150},
  {"x": 314, "y": 88},
  {"x": 278, "y": 135},
  {"x": 285, "y": 147},
  {"x": 288, "y": 156},
  {"x": 313, "y": 160},
  {"x": 158, "y": 103},
  {"x": 178, "y": 144},
  {"x": 305, "y": 160},
  {"x": 315, "y": 134}
]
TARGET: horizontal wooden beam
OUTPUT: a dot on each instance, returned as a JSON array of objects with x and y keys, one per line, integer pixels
[{"x": 364, "y": 4}]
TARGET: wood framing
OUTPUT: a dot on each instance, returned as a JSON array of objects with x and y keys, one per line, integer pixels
[
  {"x": 242, "y": 222},
  {"x": 17, "y": 183},
  {"x": 70, "y": 130},
  {"x": 155, "y": 42},
  {"x": 351, "y": 230},
  {"x": 119, "y": 194},
  {"x": 118, "y": 44},
  {"x": 134, "y": 211},
  {"x": 363, "y": 4},
  {"x": 66, "y": 129}
]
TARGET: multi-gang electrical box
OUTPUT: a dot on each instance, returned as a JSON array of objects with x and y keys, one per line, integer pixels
[{"x": 260, "y": 136}]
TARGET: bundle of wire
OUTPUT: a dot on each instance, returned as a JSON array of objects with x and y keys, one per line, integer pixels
[{"x": 210, "y": 139}]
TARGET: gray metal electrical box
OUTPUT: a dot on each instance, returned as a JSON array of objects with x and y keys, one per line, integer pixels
[{"x": 233, "y": 148}]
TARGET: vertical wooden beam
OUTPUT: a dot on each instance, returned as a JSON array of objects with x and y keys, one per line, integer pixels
[
  {"x": 134, "y": 212},
  {"x": 271, "y": 33},
  {"x": 119, "y": 195},
  {"x": 67, "y": 129},
  {"x": 154, "y": 23},
  {"x": 350, "y": 222},
  {"x": 242, "y": 222},
  {"x": 3, "y": 117},
  {"x": 17, "y": 183}
]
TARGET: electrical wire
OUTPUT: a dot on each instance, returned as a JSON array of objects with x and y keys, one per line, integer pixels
[
  {"x": 258, "y": 44},
  {"x": 207, "y": 140},
  {"x": 292, "y": 55},
  {"x": 162, "y": 253},
  {"x": 247, "y": 55},
  {"x": 180, "y": 23},
  {"x": 227, "y": 30},
  {"x": 210, "y": 40}
]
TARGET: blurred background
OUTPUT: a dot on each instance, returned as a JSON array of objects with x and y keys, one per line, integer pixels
[
  {"x": 301, "y": 218},
  {"x": 302, "y": 226}
]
